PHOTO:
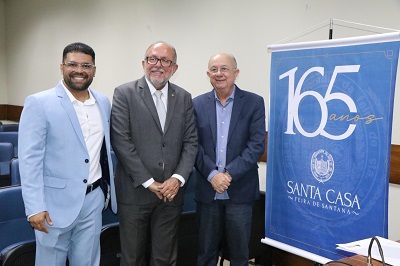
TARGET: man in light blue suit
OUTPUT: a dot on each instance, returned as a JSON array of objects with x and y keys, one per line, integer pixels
[{"x": 65, "y": 163}]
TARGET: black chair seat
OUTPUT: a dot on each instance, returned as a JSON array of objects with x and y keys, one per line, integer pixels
[
  {"x": 19, "y": 254},
  {"x": 110, "y": 245}
]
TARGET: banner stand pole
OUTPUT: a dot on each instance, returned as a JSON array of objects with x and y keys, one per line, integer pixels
[{"x": 331, "y": 29}]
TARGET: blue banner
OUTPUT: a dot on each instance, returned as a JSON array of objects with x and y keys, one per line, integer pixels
[{"x": 329, "y": 140}]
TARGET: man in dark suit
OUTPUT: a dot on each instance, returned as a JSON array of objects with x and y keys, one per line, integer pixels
[
  {"x": 231, "y": 129},
  {"x": 156, "y": 150}
]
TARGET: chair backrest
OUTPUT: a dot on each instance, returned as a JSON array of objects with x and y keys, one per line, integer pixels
[
  {"x": 9, "y": 128},
  {"x": 11, "y": 137},
  {"x": 14, "y": 226},
  {"x": 14, "y": 172},
  {"x": 108, "y": 216},
  {"x": 189, "y": 204},
  {"x": 6, "y": 155}
]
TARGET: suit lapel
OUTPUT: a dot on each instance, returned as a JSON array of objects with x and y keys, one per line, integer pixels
[
  {"x": 212, "y": 114},
  {"x": 144, "y": 92},
  {"x": 236, "y": 109},
  {"x": 171, "y": 105},
  {"x": 104, "y": 120},
  {"x": 70, "y": 110}
]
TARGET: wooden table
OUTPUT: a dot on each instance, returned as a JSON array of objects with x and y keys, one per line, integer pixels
[{"x": 357, "y": 260}]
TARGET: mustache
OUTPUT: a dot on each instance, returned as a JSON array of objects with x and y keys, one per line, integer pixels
[
  {"x": 78, "y": 74},
  {"x": 159, "y": 69}
]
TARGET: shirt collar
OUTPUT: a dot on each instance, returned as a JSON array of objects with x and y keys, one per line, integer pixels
[
  {"x": 231, "y": 97},
  {"x": 71, "y": 97},
  {"x": 152, "y": 89}
]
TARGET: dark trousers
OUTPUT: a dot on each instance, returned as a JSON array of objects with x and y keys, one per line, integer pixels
[
  {"x": 223, "y": 217},
  {"x": 155, "y": 225}
]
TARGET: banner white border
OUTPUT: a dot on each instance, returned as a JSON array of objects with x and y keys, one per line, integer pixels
[
  {"x": 377, "y": 38},
  {"x": 386, "y": 37}
]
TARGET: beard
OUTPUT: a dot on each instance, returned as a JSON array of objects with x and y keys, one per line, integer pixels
[
  {"x": 78, "y": 86},
  {"x": 156, "y": 80}
]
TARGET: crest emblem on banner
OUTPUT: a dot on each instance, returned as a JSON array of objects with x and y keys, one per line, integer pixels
[{"x": 322, "y": 165}]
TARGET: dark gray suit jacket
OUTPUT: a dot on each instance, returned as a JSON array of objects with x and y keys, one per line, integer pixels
[{"x": 143, "y": 151}]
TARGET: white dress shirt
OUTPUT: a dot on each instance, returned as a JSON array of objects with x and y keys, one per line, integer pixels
[
  {"x": 89, "y": 117},
  {"x": 164, "y": 99}
]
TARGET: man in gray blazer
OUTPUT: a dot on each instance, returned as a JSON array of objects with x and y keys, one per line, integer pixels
[{"x": 156, "y": 150}]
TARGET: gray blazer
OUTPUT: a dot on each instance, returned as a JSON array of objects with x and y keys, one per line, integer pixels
[{"x": 142, "y": 149}]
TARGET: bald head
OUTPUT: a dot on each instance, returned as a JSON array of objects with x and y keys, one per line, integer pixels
[
  {"x": 166, "y": 46},
  {"x": 224, "y": 56}
]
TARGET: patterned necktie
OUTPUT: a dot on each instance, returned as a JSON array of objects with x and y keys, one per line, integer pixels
[{"x": 162, "y": 113}]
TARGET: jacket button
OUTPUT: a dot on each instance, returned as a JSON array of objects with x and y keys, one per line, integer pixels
[
  {"x": 164, "y": 145},
  {"x": 85, "y": 181},
  {"x": 86, "y": 160},
  {"x": 160, "y": 164}
]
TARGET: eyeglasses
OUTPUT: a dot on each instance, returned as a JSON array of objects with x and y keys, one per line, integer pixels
[
  {"x": 75, "y": 65},
  {"x": 223, "y": 70},
  {"x": 154, "y": 60}
]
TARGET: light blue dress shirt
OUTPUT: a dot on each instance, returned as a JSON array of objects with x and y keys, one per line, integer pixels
[{"x": 224, "y": 113}]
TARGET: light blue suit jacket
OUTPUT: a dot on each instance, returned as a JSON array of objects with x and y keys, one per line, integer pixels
[{"x": 54, "y": 160}]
